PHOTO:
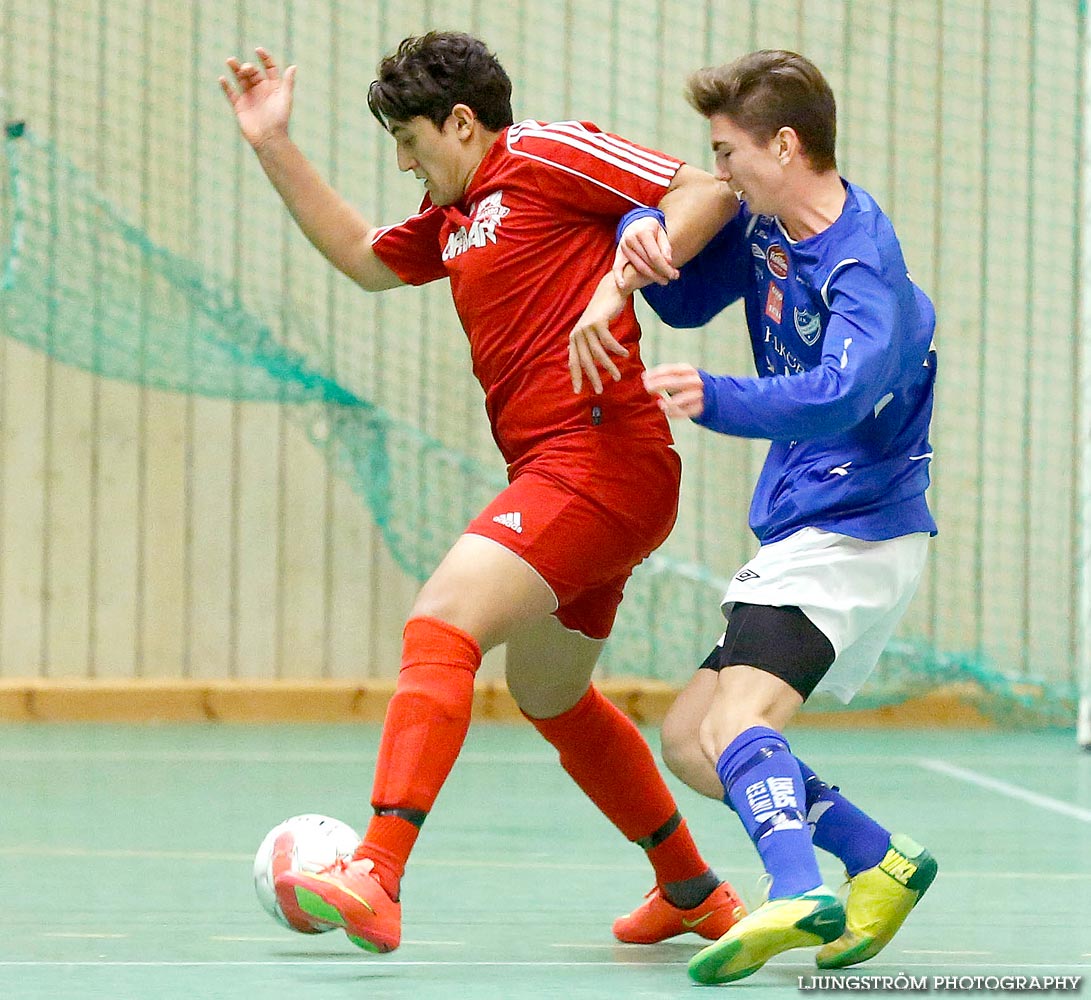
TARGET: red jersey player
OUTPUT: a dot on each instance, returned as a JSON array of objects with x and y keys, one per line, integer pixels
[{"x": 520, "y": 218}]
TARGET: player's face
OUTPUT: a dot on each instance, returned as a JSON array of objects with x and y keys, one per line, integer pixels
[
  {"x": 752, "y": 169},
  {"x": 436, "y": 156}
]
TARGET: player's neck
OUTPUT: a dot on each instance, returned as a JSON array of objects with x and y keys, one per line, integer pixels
[
  {"x": 817, "y": 205},
  {"x": 481, "y": 143}
]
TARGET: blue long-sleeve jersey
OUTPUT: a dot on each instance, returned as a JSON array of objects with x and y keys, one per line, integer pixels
[{"x": 843, "y": 345}]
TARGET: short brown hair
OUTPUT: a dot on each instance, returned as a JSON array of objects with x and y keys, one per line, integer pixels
[
  {"x": 429, "y": 74},
  {"x": 765, "y": 91}
]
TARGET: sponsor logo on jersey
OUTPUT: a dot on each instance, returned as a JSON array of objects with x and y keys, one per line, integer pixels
[
  {"x": 774, "y": 302},
  {"x": 757, "y": 251},
  {"x": 487, "y": 216},
  {"x": 777, "y": 260},
  {"x": 513, "y": 520},
  {"x": 808, "y": 325},
  {"x": 792, "y": 364}
]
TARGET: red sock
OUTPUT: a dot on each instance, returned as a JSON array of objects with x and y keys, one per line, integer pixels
[
  {"x": 608, "y": 758},
  {"x": 426, "y": 724}
]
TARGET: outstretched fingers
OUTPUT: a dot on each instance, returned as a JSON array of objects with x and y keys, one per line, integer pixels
[
  {"x": 229, "y": 91},
  {"x": 267, "y": 63},
  {"x": 246, "y": 75}
]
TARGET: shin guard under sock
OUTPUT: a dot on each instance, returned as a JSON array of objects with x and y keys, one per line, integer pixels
[
  {"x": 425, "y": 726},
  {"x": 763, "y": 784}
]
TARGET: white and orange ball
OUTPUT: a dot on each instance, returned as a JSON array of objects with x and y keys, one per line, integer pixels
[{"x": 306, "y": 843}]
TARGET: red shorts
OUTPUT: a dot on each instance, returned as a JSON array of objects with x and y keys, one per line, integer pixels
[{"x": 583, "y": 515}]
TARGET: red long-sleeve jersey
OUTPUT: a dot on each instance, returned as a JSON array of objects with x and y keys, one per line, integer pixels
[{"x": 525, "y": 248}]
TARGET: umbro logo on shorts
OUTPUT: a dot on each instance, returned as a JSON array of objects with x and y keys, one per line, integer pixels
[
  {"x": 746, "y": 574},
  {"x": 513, "y": 520}
]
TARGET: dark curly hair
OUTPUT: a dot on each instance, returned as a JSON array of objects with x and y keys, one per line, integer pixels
[
  {"x": 429, "y": 74},
  {"x": 767, "y": 90}
]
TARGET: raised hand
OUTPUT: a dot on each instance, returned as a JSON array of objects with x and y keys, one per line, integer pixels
[{"x": 260, "y": 97}]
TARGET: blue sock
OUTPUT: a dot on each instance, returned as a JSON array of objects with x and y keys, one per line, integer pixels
[
  {"x": 763, "y": 784},
  {"x": 840, "y": 827}
]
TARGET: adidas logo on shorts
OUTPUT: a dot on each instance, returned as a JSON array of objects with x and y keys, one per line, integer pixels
[{"x": 513, "y": 521}]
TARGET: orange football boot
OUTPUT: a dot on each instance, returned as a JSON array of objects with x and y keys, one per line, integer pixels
[
  {"x": 347, "y": 895},
  {"x": 656, "y": 919}
]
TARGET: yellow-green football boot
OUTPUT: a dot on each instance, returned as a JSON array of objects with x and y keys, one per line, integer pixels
[
  {"x": 804, "y": 921},
  {"x": 879, "y": 900}
]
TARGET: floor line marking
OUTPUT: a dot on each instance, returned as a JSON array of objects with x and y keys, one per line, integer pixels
[
  {"x": 1004, "y": 788},
  {"x": 377, "y": 964},
  {"x": 936, "y": 951},
  {"x": 109, "y": 853},
  {"x": 241, "y": 757},
  {"x": 31, "y": 850},
  {"x": 84, "y": 934},
  {"x": 23, "y": 756},
  {"x": 30, "y": 756},
  {"x": 586, "y": 947},
  {"x": 247, "y": 938},
  {"x": 385, "y": 963}
]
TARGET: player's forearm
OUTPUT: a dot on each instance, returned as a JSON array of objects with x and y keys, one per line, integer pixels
[
  {"x": 340, "y": 233},
  {"x": 697, "y": 207}
]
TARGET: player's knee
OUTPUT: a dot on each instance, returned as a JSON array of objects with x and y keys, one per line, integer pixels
[
  {"x": 718, "y": 731},
  {"x": 680, "y": 758},
  {"x": 457, "y": 609},
  {"x": 678, "y": 743},
  {"x": 683, "y": 757},
  {"x": 678, "y": 746},
  {"x": 539, "y": 698},
  {"x": 434, "y": 602}
]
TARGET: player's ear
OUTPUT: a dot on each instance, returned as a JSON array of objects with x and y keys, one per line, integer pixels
[
  {"x": 464, "y": 119},
  {"x": 786, "y": 143}
]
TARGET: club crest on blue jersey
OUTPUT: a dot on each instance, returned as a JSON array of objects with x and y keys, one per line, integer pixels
[{"x": 808, "y": 325}]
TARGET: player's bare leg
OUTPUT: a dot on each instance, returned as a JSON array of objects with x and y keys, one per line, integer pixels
[
  {"x": 485, "y": 590},
  {"x": 680, "y": 736},
  {"x": 548, "y": 667}
]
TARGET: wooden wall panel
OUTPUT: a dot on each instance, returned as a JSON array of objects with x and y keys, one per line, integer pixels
[{"x": 148, "y": 534}]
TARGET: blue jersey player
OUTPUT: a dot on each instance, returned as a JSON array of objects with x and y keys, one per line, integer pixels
[{"x": 842, "y": 342}]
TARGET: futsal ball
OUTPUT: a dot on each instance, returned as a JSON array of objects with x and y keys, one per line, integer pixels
[{"x": 306, "y": 843}]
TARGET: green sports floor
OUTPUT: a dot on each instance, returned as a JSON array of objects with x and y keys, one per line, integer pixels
[{"x": 125, "y": 856}]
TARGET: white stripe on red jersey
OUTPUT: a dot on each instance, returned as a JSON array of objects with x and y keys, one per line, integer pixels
[
  {"x": 591, "y": 144},
  {"x": 617, "y": 144},
  {"x": 383, "y": 230}
]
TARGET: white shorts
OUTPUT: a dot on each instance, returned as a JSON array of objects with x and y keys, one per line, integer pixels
[{"x": 854, "y": 591}]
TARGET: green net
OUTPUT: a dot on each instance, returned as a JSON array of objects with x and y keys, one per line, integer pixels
[
  {"x": 91, "y": 290},
  {"x": 142, "y": 245}
]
